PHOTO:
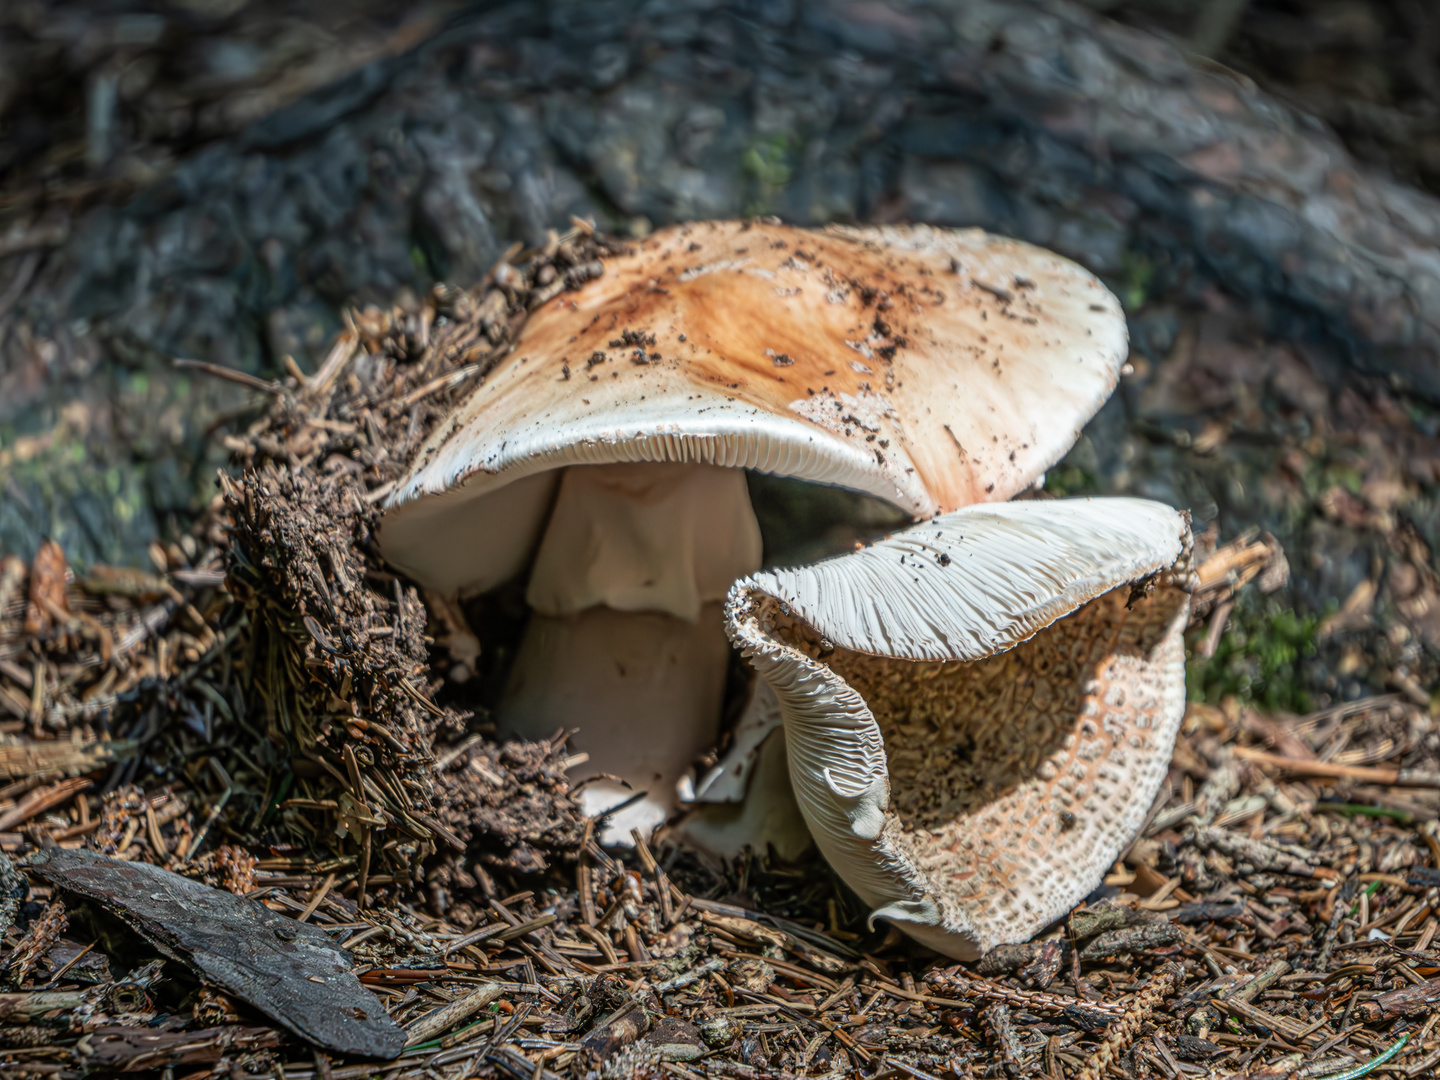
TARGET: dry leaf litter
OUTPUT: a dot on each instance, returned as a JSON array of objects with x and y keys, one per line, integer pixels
[{"x": 267, "y": 712}]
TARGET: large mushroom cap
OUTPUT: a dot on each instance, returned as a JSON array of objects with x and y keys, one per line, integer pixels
[
  {"x": 978, "y": 710},
  {"x": 931, "y": 368}
]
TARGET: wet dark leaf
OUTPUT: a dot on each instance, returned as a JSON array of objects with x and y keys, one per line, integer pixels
[{"x": 290, "y": 971}]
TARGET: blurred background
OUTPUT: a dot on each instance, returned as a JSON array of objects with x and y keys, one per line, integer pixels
[{"x": 222, "y": 180}]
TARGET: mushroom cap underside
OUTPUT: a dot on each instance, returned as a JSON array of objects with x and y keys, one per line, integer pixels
[
  {"x": 976, "y": 794},
  {"x": 931, "y": 368}
]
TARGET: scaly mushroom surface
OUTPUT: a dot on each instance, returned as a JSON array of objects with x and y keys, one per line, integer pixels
[
  {"x": 930, "y": 368},
  {"x": 979, "y": 710}
]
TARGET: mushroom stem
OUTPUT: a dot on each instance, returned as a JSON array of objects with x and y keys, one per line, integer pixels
[
  {"x": 626, "y": 641},
  {"x": 643, "y": 689}
]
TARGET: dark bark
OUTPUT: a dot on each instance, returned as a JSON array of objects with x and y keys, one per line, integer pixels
[{"x": 1027, "y": 117}]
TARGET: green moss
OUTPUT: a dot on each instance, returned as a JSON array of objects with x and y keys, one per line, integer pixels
[
  {"x": 1065, "y": 480},
  {"x": 1351, "y": 478},
  {"x": 770, "y": 161},
  {"x": 1137, "y": 273},
  {"x": 125, "y": 510},
  {"x": 1260, "y": 658},
  {"x": 1320, "y": 478}
]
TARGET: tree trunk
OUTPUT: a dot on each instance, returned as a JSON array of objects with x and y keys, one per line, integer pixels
[{"x": 1035, "y": 118}]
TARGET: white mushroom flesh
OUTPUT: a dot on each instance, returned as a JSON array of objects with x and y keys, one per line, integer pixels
[
  {"x": 626, "y": 643},
  {"x": 729, "y": 779},
  {"x": 645, "y": 536},
  {"x": 764, "y": 817},
  {"x": 642, "y": 690}
]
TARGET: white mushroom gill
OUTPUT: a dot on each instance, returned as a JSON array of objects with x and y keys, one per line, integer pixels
[
  {"x": 978, "y": 711},
  {"x": 626, "y": 639}
]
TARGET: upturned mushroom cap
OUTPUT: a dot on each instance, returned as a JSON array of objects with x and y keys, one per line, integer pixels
[
  {"x": 978, "y": 711},
  {"x": 931, "y": 368}
]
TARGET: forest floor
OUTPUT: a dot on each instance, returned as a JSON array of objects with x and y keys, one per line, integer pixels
[
  {"x": 266, "y": 685},
  {"x": 1276, "y": 918}
]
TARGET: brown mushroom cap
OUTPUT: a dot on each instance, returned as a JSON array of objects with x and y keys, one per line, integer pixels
[{"x": 931, "y": 368}]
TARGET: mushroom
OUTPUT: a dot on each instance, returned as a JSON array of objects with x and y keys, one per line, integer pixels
[
  {"x": 978, "y": 711},
  {"x": 604, "y": 456}
]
